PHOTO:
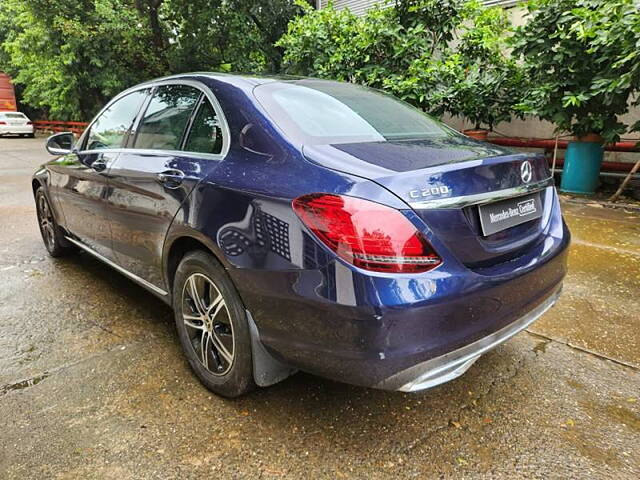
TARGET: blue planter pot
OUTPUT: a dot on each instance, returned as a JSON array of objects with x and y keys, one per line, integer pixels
[{"x": 581, "y": 171}]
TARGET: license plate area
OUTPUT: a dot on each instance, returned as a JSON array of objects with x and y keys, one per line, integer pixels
[{"x": 498, "y": 216}]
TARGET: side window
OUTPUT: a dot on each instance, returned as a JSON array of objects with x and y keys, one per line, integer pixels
[
  {"x": 111, "y": 127},
  {"x": 166, "y": 117},
  {"x": 205, "y": 135}
]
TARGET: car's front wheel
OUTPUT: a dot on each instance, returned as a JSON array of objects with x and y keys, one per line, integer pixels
[{"x": 212, "y": 325}]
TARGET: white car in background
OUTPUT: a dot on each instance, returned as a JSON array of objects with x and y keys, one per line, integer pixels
[{"x": 15, "y": 123}]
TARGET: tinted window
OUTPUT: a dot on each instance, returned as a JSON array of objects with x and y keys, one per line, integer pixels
[
  {"x": 205, "y": 135},
  {"x": 111, "y": 127},
  {"x": 166, "y": 117},
  {"x": 15, "y": 115},
  {"x": 323, "y": 112}
]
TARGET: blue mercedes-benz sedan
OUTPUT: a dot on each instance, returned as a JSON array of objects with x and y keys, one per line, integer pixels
[{"x": 304, "y": 224}]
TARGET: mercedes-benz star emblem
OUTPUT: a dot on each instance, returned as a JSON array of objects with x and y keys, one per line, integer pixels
[{"x": 526, "y": 171}]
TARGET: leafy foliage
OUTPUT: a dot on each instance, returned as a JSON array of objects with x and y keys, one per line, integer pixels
[
  {"x": 70, "y": 56},
  {"x": 576, "y": 63},
  {"x": 228, "y": 35},
  {"x": 438, "y": 19},
  {"x": 472, "y": 77},
  {"x": 442, "y": 56},
  {"x": 583, "y": 61},
  {"x": 489, "y": 81}
]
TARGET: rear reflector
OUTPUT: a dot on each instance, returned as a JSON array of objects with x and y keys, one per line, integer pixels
[{"x": 366, "y": 234}]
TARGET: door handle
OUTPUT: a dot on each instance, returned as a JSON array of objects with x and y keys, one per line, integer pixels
[{"x": 171, "y": 178}]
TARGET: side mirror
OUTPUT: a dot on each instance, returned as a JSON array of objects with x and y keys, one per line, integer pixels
[{"x": 60, "y": 143}]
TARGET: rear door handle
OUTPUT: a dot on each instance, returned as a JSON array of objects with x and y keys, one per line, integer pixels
[{"x": 171, "y": 178}]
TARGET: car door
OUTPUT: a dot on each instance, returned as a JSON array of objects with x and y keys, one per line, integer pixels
[
  {"x": 81, "y": 178},
  {"x": 178, "y": 141}
]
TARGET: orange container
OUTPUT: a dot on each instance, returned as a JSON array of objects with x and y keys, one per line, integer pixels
[{"x": 7, "y": 94}]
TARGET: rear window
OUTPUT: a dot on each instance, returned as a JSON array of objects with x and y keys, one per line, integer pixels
[
  {"x": 21, "y": 116},
  {"x": 323, "y": 112}
]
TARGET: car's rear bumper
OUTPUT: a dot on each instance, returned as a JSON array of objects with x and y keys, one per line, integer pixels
[
  {"x": 15, "y": 129},
  {"x": 453, "y": 364}
]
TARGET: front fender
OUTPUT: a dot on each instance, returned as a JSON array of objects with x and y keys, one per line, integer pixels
[{"x": 42, "y": 178}]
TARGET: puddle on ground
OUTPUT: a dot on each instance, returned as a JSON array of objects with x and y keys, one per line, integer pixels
[
  {"x": 611, "y": 414},
  {"x": 616, "y": 413},
  {"x": 577, "y": 385},
  {"x": 30, "y": 382},
  {"x": 541, "y": 346},
  {"x": 623, "y": 415},
  {"x": 587, "y": 449}
]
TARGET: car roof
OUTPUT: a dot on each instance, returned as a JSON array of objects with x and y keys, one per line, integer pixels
[{"x": 248, "y": 80}]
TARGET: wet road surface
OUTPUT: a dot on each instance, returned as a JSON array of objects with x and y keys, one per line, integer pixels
[{"x": 93, "y": 384}]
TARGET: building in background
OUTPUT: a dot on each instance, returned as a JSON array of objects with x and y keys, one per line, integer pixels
[{"x": 7, "y": 94}]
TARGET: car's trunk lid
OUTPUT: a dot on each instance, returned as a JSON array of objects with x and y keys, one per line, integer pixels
[{"x": 445, "y": 181}]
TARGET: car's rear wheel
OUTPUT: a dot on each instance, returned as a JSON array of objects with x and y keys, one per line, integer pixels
[
  {"x": 212, "y": 325},
  {"x": 52, "y": 237}
]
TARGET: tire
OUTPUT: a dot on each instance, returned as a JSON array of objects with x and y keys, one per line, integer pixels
[
  {"x": 31, "y": 135},
  {"x": 225, "y": 366},
  {"x": 52, "y": 236}
]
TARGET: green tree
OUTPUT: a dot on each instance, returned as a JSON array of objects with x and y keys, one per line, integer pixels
[
  {"x": 582, "y": 58},
  {"x": 236, "y": 35},
  {"x": 337, "y": 44},
  {"x": 317, "y": 43},
  {"x": 441, "y": 56},
  {"x": 487, "y": 82},
  {"x": 70, "y": 56},
  {"x": 438, "y": 19}
]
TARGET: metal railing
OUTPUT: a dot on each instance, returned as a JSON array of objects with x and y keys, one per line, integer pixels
[{"x": 57, "y": 126}]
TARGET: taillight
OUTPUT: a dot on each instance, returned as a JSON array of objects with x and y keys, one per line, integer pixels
[
  {"x": 29, "y": 123},
  {"x": 366, "y": 234},
  {"x": 2, "y": 123}
]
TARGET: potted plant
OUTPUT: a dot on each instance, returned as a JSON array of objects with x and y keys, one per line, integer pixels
[
  {"x": 581, "y": 60},
  {"x": 484, "y": 95},
  {"x": 486, "y": 83}
]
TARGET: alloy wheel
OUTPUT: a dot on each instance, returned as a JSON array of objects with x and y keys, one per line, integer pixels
[
  {"x": 209, "y": 326},
  {"x": 47, "y": 226}
]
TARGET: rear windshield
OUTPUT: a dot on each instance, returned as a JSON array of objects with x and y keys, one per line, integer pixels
[
  {"x": 14, "y": 115},
  {"x": 317, "y": 112}
]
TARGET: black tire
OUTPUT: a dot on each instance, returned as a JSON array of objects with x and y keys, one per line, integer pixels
[
  {"x": 224, "y": 332},
  {"x": 52, "y": 236},
  {"x": 31, "y": 135}
]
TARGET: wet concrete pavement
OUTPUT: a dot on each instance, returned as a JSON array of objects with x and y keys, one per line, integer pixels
[{"x": 93, "y": 384}]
